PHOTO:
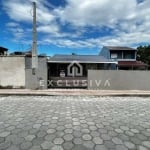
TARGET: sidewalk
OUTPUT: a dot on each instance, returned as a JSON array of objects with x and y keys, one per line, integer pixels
[{"x": 73, "y": 92}]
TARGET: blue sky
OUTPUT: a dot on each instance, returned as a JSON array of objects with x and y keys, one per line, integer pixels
[{"x": 75, "y": 26}]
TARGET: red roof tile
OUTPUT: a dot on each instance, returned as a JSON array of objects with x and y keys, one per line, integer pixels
[{"x": 131, "y": 63}]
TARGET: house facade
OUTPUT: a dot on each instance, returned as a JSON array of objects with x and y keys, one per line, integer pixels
[
  {"x": 75, "y": 67},
  {"x": 87, "y": 62},
  {"x": 125, "y": 56}
]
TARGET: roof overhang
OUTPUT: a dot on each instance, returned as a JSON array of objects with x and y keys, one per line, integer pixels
[
  {"x": 86, "y": 62},
  {"x": 120, "y": 48}
]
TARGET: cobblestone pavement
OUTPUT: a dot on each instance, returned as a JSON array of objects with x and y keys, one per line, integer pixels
[{"x": 74, "y": 123}]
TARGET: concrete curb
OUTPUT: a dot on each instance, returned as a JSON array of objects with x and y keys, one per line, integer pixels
[{"x": 72, "y": 92}]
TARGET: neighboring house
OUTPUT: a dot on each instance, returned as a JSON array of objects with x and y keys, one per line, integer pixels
[
  {"x": 125, "y": 56},
  {"x": 119, "y": 53},
  {"x": 3, "y": 51}
]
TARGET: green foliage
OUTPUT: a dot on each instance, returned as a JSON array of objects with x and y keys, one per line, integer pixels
[{"x": 143, "y": 54}]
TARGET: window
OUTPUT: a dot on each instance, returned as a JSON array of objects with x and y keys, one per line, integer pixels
[
  {"x": 114, "y": 56},
  {"x": 129, "y": 55}
]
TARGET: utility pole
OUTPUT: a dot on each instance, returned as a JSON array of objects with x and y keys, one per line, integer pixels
[{"x": 34, "y": 44}]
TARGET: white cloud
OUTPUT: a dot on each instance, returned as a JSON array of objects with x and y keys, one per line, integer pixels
[
  {"x": 12, "y": 24},
  {"x": 52, "y": 30},
  {"x": 17, "y": 31},
  {"x": 21, "y": 10},
  {"x": 18, "y": 11},
  {"x": 48, "y": 29},
  {"x": 68, "y": 43},
  {"x": 129, "y": 20},
  {"x": 122, "y": 39},
  {"x": 97, "y": 12}
]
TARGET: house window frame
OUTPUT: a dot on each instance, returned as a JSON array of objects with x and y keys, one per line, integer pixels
[{"x": 115, "y": 55}]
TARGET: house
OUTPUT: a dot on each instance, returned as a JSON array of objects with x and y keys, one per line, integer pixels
[
  {"x": 125, "y": 56},
  {"x": 70, "y": 67},
  {"x": 62, "y": 62},
  {"x": 3, "y": 51}
]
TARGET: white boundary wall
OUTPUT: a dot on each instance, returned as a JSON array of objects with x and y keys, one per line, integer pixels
[
  {"x": 118, "y": 80},
  {"x": 12, "y": 71}
]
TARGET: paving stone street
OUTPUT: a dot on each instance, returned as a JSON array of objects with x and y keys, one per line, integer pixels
[{"x": 74, "y": 123}]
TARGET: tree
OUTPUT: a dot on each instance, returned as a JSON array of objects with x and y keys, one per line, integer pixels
[{"x": 143, "y": 54}]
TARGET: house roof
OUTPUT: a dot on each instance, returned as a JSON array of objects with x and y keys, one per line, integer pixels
[
  {"x": 80, "y": 58},
  {"x": 3, "y": 49},
  {"x": 120, "y": 48},
  {"x": 131, "y": 63}
]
